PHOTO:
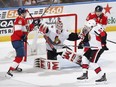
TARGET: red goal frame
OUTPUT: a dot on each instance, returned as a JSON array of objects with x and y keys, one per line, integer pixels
[{"x": 59, "y": 15}]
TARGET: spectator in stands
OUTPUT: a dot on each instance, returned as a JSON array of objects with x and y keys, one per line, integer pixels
[
  {"x": 57, "y": 1},
  {"x": 27, "y": 2},
  {"x": 14, "y": 3},
  {"x": 33, "y": 2},
  {"x": 43, "y": 2}
]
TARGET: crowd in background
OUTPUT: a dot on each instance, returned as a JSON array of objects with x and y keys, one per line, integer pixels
[{"x": 15, "y": 3}]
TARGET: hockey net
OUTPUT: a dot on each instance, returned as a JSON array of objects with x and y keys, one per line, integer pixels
[{"x": 37, "y": 44}]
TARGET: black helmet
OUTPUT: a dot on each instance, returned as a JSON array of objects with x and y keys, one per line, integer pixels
[
  {"x": 21, "y": 10},
  {"x": 98, "y": 8}
]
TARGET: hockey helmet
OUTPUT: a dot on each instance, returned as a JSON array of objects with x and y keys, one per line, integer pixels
[
  {"x": 21, "y": 11},
  {"x": 91, "y": 23},
  {"x": 98, "y": 8},
  {"x": 88, "y": 26}
]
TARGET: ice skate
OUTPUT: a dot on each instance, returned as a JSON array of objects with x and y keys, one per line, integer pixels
[
  {"x": 84, "y": 76},
  {"x": 83, "y": 80},
  {"x": 102, "y": 79},
  {"x": 9, "y": 74}
]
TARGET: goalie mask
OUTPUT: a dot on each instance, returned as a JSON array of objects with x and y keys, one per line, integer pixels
[
  {"x": 59, "y": 26},
  {"x": 88, "y": 26}
]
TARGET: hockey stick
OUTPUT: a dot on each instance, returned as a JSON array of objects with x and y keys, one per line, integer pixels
[
  {"x": 43, "y": 12},
  {"x": 111, "y": 41},
  {"x": 47, "y": 8},
  {"x": 77, "y": 46}
]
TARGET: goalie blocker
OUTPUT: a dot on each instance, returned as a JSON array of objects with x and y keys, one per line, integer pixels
[{"x": 55, "y": 64}]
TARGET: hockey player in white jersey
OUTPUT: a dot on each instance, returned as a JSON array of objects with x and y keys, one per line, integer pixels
[
  {"x": 55, "y": 39},
  {"x": 96, "y": 38}
]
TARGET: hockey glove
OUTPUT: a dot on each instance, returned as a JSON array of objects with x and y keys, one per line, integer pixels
[
  {"x": 24, "y": 38},
  {"x": 36, "y": 22},
  {"x": 80, "y": 46},
  {"x": 104, "y": 47}
]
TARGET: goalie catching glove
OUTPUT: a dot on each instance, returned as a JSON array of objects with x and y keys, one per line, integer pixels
[
  {"x": 36, "y": 22},
  {"x": 80, "y": 46}
]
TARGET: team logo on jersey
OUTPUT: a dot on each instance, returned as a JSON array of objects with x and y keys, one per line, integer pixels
[
  {"x": 101, "y": 21},
  {"x": 57, "y": 41},
  {"x": 20, "y": 22}
]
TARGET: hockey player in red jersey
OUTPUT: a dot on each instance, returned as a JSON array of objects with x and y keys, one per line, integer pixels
[
  {"x": 98, "y": 16},
  {"x": 95, "y": 36},
  {"x": 19, "y": 36}
]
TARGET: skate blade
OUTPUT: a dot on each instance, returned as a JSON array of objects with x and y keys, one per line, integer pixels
[
  {"x": 8, "y": 76},
  {"x": 101, "y": 83},
  {"x": 82, "y": 81}
]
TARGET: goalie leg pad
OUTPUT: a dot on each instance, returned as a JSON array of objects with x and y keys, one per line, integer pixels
[
  {"x": 47, "y": 64},
  {"x": 72, "y": 56}
]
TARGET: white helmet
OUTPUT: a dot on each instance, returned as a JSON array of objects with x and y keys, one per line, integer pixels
[
  {"x": 91, "y": 23},
  {"x": 88, "y": 26}
]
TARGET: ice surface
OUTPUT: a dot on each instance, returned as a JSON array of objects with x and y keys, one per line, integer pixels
[{"x": 35, "y": 77}]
